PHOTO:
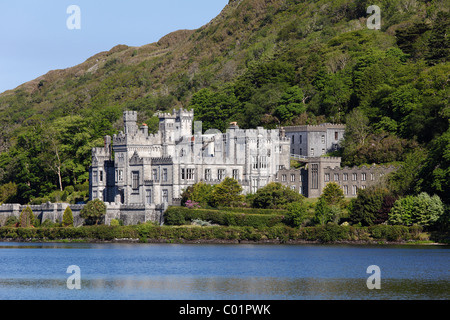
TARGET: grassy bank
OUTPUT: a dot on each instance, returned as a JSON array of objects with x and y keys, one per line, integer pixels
[{"x": 221, "y": 234}]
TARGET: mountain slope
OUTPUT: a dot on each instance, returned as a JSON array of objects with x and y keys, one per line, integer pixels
[{"x": 259, "y": 62}]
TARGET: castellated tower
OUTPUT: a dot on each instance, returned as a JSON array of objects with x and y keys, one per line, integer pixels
[{"x": 130, "y": 120}]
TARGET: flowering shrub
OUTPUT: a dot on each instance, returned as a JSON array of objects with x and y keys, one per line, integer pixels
[{"x": 192, "y": 204}]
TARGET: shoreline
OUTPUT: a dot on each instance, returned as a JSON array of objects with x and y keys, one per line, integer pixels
[{"x": 231, "y": 242}]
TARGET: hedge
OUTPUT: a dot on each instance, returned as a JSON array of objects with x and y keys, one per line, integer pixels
[
  {"x": 180, "y": 215},
  {"x": 280, "y": 233}
]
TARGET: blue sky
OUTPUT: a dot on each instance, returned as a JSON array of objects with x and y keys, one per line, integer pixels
[{"x": 34, "y": 37}]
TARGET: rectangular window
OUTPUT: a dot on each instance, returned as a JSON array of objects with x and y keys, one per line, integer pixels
[
  {"x": 315, "y": 176},
  {"x": 292, "y": 177},
  {"x": 183, "y": 173},
  {"x": 120, "y": 175},
  {"x": 354, "y": 189},
  {"x": 363, "y": 177},
  {"x": 135, "y": 180},
  {"x": 190, "y": 174},
  {"x": 292, "y": 187},
  {"x": 327, "y": 177},
  {"x": 94, "y": 195},
  {"x": 312, "y": 152},
  {"x": 283, "y": 177},
  {"x": 207, "y": 174},
  {"x": 336, "y": 177},
  {"x": 236, "y": 174},
  {"x": 155, "y": 174},
  {"x": 301, "y": 138},
  {"x": 372, "y": 176},
  {"x": 263, "y": 162},
  {"x": 345, "y": 176},
  {"x": 354, "y": 176},
  {"x": 165, "y": 196},
  {"x": 336, "y": 135},
  {"x": 95, "y": 176},
  {"x": 345, "y": 189},
  {"x": 322, "y": 139},
  {"x": 221, "y": 174},
  {"x": 292, "y": 141},
  {"x": 101, "y": 175},
  {"x": 164, "y": 177},
  {"x": 254, "y": 162},
  {"x": 148, "y": 196},
  {"x": 254, "y": 185}
]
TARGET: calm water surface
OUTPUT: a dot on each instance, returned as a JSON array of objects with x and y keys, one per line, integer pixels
[{"x": 250, "y": 272}]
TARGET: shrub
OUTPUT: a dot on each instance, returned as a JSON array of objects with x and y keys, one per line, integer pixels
[
  {"x": 275, "y": 196},
  {"x": 367, "y": 204},
  {"x": 67, "y": 220},
  {"x": 227, "y": 193},
  {"x": 182, "y": 215},
  {"x": 93, "y": 212},
  {"x": 26, "y": 218},
  {"x": 297, "y": 212},
  {"x": 422, "y": 210}
]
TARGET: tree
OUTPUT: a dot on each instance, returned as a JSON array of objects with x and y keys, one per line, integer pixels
[
  {"x": 290, "y": 105},
  {"x": 356, "y": 133},
  {"x": 67, "y": 220},
  {"x": 275, "y": 196},
  {"x": 439, "y": 41},
  {"x": 7, "y": 192},
  {"x": 227, "y": 194},
  {"x": 422, "y": 210},
  {"x": 93, "y": 211},
  {"x": 325, "y": 213},
  {"x": 297, "y": 213},
  {"x": 333, "y": 194},
  {"x": 199, "y": 192},
  {"x": 367, "y": 204},
  {"x": 26, "y": 218}
]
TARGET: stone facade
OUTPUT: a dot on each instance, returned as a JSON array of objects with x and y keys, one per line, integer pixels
[
  {"x": 315, "y": 140},
  {"x": 154, "y": 169},
  {"x": 317, "y": 172}
]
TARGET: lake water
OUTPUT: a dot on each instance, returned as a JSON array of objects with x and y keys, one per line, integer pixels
[{"x": 226, "y": 272}]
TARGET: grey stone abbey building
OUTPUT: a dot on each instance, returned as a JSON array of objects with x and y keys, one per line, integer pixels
[
  {"x": 138, "y": 174},
  {"x": 135, "y": 168}
]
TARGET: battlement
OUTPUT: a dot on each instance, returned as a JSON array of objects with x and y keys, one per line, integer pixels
[
  {"x": 130, "y": 116},
  {"x": 314, "y": 128}
]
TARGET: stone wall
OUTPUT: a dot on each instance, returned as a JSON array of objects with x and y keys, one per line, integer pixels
[{"x": 129, "y": 214}]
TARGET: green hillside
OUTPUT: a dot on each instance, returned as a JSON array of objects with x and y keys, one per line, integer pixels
[{"x": 260, "y": 63}]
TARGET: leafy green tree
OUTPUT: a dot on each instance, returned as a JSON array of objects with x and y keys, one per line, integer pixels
[
  {"x": 228, "y": 193},
  {"x": 67, "y": 220},
  {"x": 333, "y": 194},
  {"x": 275, "y": 196},
  {"x": 214, "y": 109},
  {"x": 199, "y": 192},
  {"x": 439, "y": 41},
  {"x": 93, "y": 211},
  {"x": 435, "y": 174},
  {"x": 422, "y": 210},
  {"x": 26, "y": 218},
  {"x": 324, "y": 213},
  {"x": 367, "y": 204},
  {"x": 290, "y": 105},
  {"x": 297, "y": 213},
  {"x": 7, "y": 192}
]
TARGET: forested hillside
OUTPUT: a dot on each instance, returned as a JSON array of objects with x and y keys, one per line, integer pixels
[{"x": 260, "y": 63}]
